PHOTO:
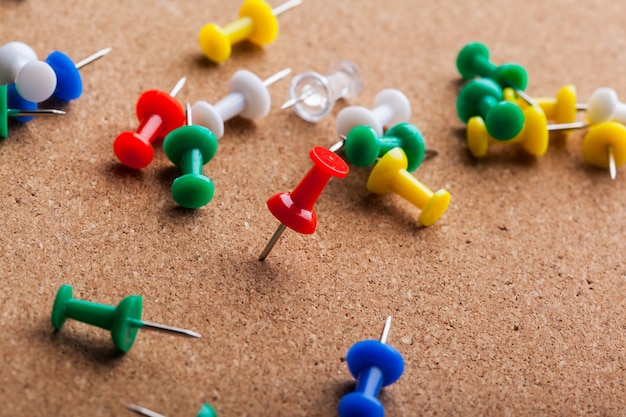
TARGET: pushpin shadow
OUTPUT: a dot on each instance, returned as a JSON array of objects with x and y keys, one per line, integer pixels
[
  {"x": 240, "y": 127},
  {"x": 120, "y": 170},
  {"x": 95, "y": 350}
]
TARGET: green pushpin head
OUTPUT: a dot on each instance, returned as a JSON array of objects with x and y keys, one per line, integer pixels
[
  {"x": 363, "y": 146},
  {"x": 6, "y": 112},
  {"x": 123, "y": 321},
  {"x": 205, "y": 411},
  {"x": 483, "y": 97},
  {"x": 189, "y": 148},
  {"x": 473, "y": 61}
]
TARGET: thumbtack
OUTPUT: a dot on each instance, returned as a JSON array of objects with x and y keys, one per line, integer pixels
[
  {"x": 375, "y": 365},
  {"x": 604, "y": 146},
  {"x": 390, "y": 175},
  {"x": 533, "y": 137},
  {"x": 248, "y": 97},
  {"x": 205, "y": 411},
  {"x": 295, "y": 209},
  {"x": 35, "y": 80},
  {"x": 391, "y": 107},
  {"x": 363, "y": 146},
  {"x": 257, "y": 23},
  {"x": 483, "y": 97},
  {"x": 314, "y": 94},
  {"x": 473, "y": 61},
  {"x": 6, "y": 112},
  {"x": 159, "y": 113},
  {"x": 123, "y": 321},
  {"x": 189, "y": 148}
]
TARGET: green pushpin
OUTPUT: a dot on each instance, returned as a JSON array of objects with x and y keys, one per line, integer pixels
[
  {"x": 473, "y": 61},
  {"x": 205, "y": 411},
  {"x": 6, "y": 112},
  {"x": 123, "y": 321},
  {"x": 483, "y": 97},
  {"x": 189, "y": 148},
  {"x": 363, "y": 146}
]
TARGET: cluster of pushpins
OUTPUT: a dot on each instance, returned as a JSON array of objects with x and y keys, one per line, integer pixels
[
  {"x": 497, "y": 109},
  {"x": 26, "y": 81}
]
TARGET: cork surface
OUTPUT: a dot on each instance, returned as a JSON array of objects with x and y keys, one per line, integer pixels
[{"x": 513, "y": 304}]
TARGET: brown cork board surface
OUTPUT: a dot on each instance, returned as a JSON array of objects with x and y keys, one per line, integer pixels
[{"x": 513, "y": 304}]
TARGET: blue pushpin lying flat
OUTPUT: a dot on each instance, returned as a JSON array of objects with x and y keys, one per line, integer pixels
[
  {"x": 375, "y": 365},
  {"x": 6, "y": 112},
  {"x": 69, "y": 82},
  {"x": 205, "y": 411}
]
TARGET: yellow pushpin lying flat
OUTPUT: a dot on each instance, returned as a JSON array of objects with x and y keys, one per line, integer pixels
[
  {"x": 604, "y": 146},
  {"x": 257, "y": 23},
  {"x": 533, "y": 137},
  {"x": 390, "y": 175}
]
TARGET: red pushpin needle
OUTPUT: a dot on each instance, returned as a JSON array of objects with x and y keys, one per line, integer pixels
[
  {"x": 295, "y": 209},
  {"x": 159, "y": 113}
]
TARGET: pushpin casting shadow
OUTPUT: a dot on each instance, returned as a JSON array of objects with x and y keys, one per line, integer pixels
[
  {"x": 123, "y": 321},
  {"x": 6, "y": 112}
]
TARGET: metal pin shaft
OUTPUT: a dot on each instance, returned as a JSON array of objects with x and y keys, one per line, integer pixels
[
  {"x": 36, "y": 112},
  {"x": 143, "y": 411},
  {"x": 277, "y": 77},
  {"x": 528, "y": 99},
  {"x": 188, "y": 114},
  {"x": 169, "y": 329},
  {"x": 293, "y": 101},
  {"x": 272, "y": 242},
  {"x": 92, "y": 58},
  {"x": 581, "y": 106},
  {"x": 385, "y": 333},
  {"x": 339, "y": 145},
  {"x": 288, "y": 5},
  {"x": 567, "y": 126},
  {"x": 179, "y": 85},
  {"x": 612, "y": 167}
]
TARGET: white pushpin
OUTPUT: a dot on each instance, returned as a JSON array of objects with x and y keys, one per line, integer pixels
[
  {"x": 314, "y": 94},
  {"x": 248, "y": 97},
  {"x": 390, "y": 108},
  {"x": 34, "y": 80},
  {"x": 602, "y": 106}
]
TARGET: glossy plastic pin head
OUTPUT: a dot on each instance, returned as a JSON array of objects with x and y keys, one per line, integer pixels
[
  {"x": 34, "y": 80},
  {"x": 604, "y": 146},
  {"x": 473, "y": 61}
]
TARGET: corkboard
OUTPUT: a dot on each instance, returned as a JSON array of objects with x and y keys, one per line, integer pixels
[{"x": 512, "y": 304}]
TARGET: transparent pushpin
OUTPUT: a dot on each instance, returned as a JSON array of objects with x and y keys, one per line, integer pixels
[{"x": 313, "y": 95}]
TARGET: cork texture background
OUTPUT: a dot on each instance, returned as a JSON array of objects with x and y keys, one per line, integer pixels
[{"x": 513, "y": 304}]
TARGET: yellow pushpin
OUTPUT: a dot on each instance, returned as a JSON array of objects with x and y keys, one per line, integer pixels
[
  {"x": 604, "y": 146},
  {"x": 390, "y": 175},
  {"x": 257, "y": 23}
]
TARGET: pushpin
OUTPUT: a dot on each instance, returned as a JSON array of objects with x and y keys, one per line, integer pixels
[
  {"x": 257, "y": 23},
  {"x": 295, "y": 209},
  {"x": 375, "y": 365},
  {"x": 363, "y": 146},
  {"x": 533, "y": 137},
  {"x": 314, "y": 94},
  {"x": 205, "y": 411},
  {"x": 483, "y": 97},
  {"x": 189, "y": 148},
  {"x": 6, "y": 112},
  {"x": 69, "y": 82},
  {"x": 390, "y": 175},
  {"x": 35, "y": 80},
  {"x": 159, "y": 114},
  {"x": 602, "y": 106},
  {"x": 248, "y": 97},
  {"x": 473, "y": 61},
  {"x": 604, "y": 146},
  {"x": 391, "y": 107},
  {"x": 123, "y": 321}
]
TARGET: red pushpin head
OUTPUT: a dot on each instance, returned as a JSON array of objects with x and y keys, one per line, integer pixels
[
  {"x": 159, "y": 114},
  {"x": 295, "y": 209}
]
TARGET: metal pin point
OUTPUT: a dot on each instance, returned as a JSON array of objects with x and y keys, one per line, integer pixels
[
  {"x": 288, "y": 5},
  {"x": 612, "y": 167},
  {"x": 566, "y": 126},
  {"x": 528, "y": 99},
  {"x": 188, "y": 114},
  {"x": 338, "y": 145},
  {"x": 179, "y": 85},
  {"x": 385, "y": 333},
  {"x": 293, "y": 101},
  {"x": 143, "y": 411},
  {"x": 93, "y": 57},
  {"x": 276, "y": 77},
  {"x": 36, "y": 112},
  {"x": 272, "y": 242},
  {"x": 147, "y": 325}
]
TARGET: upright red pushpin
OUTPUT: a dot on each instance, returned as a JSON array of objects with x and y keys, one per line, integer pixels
[
  {"x": 159, "y": 113},
  {"x": 295, "y": 209}
]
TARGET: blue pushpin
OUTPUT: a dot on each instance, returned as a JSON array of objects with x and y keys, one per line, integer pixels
[
  {"x": 205, "y": 411},
  {"x": 69, "y": 82},
  {"x": 375, "y": 365}
]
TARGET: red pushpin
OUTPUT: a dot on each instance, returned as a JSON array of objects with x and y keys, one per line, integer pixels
[
  {"x": 295, "y": 209},
  {"x": 159, "y": 113}
]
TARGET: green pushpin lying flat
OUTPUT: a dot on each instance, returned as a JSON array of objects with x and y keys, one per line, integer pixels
[
  {"x": 123, "y": 321},
  {"x": 189, "y": 148},
  {"x": 483, "y": 97},
  {"x": 205, "y": 411},
  {"x": 6, "y": 112}
]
